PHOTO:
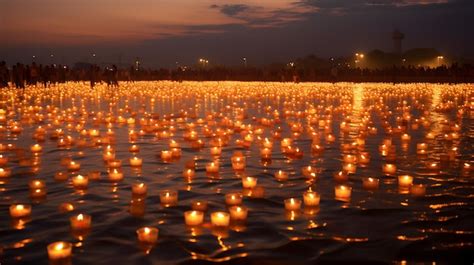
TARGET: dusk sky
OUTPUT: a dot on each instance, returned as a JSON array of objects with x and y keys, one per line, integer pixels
[{"x": 163, "y": 32}]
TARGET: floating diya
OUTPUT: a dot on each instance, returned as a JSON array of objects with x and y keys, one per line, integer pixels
[
  {"x": 60, "y": 250},
  {"x": 199, "y": 205},
  {"x": 193, "y": 218},
  {"x": 20, "y": 210},
  {"x": 311, "y": 198},
  {"x": 74, "y": 166},
  {"x": 238, "y": 161},
  {"x": 292, "y": 204},
  {"x": 418, "y": 190},
  {"x": 80, "y": 182},
  {"x": 169, "y": 198},
  {"x": 136, "y": 161},
  {"x": 36, "y": 148},
  {"x": 370, "y": 183},
  {"x": 166, "y": 155},
  {"x": 405, "y": 181},
  {"x": 80, "y": 222},
  {"x": 220, "y": 219},
  {"x": 238, "y": 213},
  {"x": 134, "y": 149},
  {"x": 389, "y": 169},
  {"x": 188, "y": 173},
  {"x": 233, "y": 198},
  {"x": 212, "y": 167},
  {"x": 115, "y": 175},
  {"x": 3, "y": 160},
  {"x": 341, "y": 176},
  {"x": 281, "y": 175},
  {"x": 343, "y": 193},
  {"x": 249, "y": 182},
  {"x": 139, "y": 189},
  {"x": 147, "y": 235},
  {"x": 5, "y": 172}
]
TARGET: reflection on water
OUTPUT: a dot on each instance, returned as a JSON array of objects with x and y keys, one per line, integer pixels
[{"x": 291, "y": 137}]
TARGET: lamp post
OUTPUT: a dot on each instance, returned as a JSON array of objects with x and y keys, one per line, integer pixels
[{"x": 440, "y": 59}]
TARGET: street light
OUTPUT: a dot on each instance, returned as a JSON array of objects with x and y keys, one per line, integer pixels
[{"x": 245, "y": 61}]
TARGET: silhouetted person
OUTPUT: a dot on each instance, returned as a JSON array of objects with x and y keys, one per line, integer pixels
[{"x": 4, "y": 74}]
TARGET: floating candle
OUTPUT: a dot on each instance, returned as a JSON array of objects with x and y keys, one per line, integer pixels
[
  {"x": 343, "y": 193},
  {"x": 20, "y": 210},
  {"x": 418, "y": 190},
  {"x": 292, "y": 204},
  {"x": 220, "y": 219},
  {"x": 168, "y": 198},
  {"x": 238, "y": 213},
  {"x": 238, "y": 162},
  {"x": 139, "y": 189},
  {"x": 4, "y": 172},
  {"x": 80, "y": 222},
  {"x": 60, "y": 250},
  {"x": 74, "y": 166},
  {"x": 280, "y": 175},
  {"x": 199, "y": 206},
  {"x": 115, "y": 175},
  {"x": 193, "y": 218},
  {"x": 370, "y": 183},
  {"x": 233, "y": 198},
  {"x": 36, "y": 148},
  {"x": 188, "y": 173},
  {"x": 136, "y": 162},
  {"x": 166, "y": 155},
  {"x": 405, "y": 181},
  {"x": 389, "y": 169},
  {"x": 249, "y": 182},
  {"x": 80, "y": 182},
  {"x": 212, "y": 167},
  {"x": 311, "y": 198},
  {"x": 147, "y": 235}
]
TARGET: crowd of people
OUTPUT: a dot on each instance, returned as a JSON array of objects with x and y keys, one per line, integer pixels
[{"x": 19, "y": 75}]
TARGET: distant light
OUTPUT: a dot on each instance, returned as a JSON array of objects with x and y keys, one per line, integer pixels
[{"x": 441, "y": 57}]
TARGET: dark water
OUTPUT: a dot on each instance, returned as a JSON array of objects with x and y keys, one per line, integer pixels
[{"x": 382, "y": 226}]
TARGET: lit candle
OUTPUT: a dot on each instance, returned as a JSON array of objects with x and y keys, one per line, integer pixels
[
  {"x": 216, "y": 151},
  {"x": 74, "y": 166},
  {"x": 80, "y": 222},
  {"x": 36, "y": 184},
  {"x": 136, "y": 162},
  {"x": 3, "y": 160},
  {"x": 238, "y": 162},
  {"x": 108, "y": 155},
  {"x": 59, "y": 250},
  {"x": 349, "y": 159},
  {"x": 147, "y": 235},
  {"x": 188, "y": 173},
  {"x": 418, "y": 190},
  {"x": 405, "y": 181},
  {"x": 166, "y": 155},
  {"x": 370, "y": 183},
  {"x": 343, "y": 193},
  {"x": 36, "y": 148},
  {"x": 20, "y": 210},
  {"x": 37, "y": 193},
  {"x": 134, "y": 149},
  {"x": 266, "y": 153},
  {"x": 115, "y": 175},
  {"x": 349, "y": 168},
  {"x": 292, "y": 204},
  {"x": 233, "y": 198},
  {"x": 168, "y": 198},
  {"x": 199, "y": 206},
  {"x": 212, "y": 167},
  {"x": 238, "y": 213},
  {"x": 311, "y": 198},
  {"x": 405, "y": 137},
  {"x": 389, "y": 169},
  {"x": 220, "y": 219},
  {"x": 139, "y": 189},
  {"x": 4, "y": 172},
  {"x": 193, "y": 218},
  {"x": 341, "y": 176},
  {"x": 114, "y": 163},
  {"x": 249, "y": 182},
  {"x": 80, "y": 182},
  {"x": 281, "y": 175},
  {"x": 364, "y": 158}
]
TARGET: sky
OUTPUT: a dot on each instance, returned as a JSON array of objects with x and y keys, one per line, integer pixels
[{"x": 166, "y": 33}]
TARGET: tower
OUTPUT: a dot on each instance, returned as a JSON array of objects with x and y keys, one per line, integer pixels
[{"x": 397, "y": 37}]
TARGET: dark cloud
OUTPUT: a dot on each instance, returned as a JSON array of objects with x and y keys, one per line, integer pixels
[{"x": 232, "y": 10}]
